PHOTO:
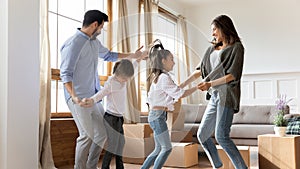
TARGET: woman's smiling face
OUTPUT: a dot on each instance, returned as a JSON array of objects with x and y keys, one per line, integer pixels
[{"x": 217, "y": 34}]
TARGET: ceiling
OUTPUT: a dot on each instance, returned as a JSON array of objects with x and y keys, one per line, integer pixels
[
  {"x": 189, "y": 2},
  {"x": 196, "y": 2}
]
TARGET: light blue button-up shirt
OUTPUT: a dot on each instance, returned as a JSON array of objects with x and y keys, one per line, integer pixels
[{"x": 79, "y": 64}]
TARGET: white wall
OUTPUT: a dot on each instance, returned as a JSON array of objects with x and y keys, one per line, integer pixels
[
  {"x": 3, "y": 83},
  {"x": 174, "y": 6},
  {"x": 269, "y": 30},
  {"x": 260, "y": 89},
  {"x": 19, "y": 82}
]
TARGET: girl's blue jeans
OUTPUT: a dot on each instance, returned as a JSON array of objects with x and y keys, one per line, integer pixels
[{"x": 163, "y": 146}]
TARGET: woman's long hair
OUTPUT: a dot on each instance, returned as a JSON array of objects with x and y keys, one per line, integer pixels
[
  {"x": 156, "y": 54},
  {"x": 226, "y": 26}
]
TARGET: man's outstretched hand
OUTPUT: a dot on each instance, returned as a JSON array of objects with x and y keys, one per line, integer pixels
[{"x": 139, "y": 55}]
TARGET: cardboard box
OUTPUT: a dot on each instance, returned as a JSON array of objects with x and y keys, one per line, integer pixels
[
  {"x": 227, "y": 164},
  {"x": 181, "y": 136},
  {"x": 279, "y": 152},
  {"x": 175, "y": 120},
  {"x": 139, "y": 130},
  {"x": 139, "y": 142},
  {"x": 183, "y": 155},
  {"x": 136, "y": 150}
]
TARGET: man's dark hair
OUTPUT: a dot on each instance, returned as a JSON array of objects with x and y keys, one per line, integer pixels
[{"x": 92, "y": 16}]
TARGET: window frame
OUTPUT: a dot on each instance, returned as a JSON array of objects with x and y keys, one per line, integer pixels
[
  {"x": 55, "y": 72},
  {"x": 168, "y": 16}
]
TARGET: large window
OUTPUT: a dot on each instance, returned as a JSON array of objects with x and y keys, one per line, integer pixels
[
  {"x": 64, "y": 19},
  {"x": 65, "y": 16},
  {"x": 165, "y": 29}
]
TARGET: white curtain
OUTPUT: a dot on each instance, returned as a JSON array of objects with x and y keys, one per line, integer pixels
[
  {"x": 132, "y": 114},
  {"x": 184, "y": 61},
  {"x": 45, "y": 152}
]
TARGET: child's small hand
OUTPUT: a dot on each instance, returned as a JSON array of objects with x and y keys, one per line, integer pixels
[
  {"x": 204, "y": 86},
  {"x": 76, "y": 100},
  {"x": 86, "y": 102},
  {"x": 196, "y": 73}
]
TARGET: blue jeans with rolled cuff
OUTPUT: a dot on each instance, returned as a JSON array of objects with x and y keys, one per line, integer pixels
[{"x": 163, "y": 146}]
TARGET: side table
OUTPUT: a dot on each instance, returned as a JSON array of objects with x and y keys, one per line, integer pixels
[{"x": 275, "y": 152}]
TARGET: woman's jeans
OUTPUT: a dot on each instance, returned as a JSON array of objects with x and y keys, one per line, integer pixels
[
  {"x": 219, "y": 119},
  {"x": 163, "y": 146},
  {"x": 115, "y": 139}
]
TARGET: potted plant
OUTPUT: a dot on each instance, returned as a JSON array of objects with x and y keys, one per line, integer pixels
[{"x": 279, "y": 120}]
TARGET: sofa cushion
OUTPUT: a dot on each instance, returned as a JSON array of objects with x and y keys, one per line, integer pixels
[
  {"x": 243, "y": 131},
  {"x": 193, "y": 112},
  {"x": 250, "y": 130},
  {"x": 193, "y": 127},
  {"x": 262, "y": 114},
  {"x": 245, "y": 142}
]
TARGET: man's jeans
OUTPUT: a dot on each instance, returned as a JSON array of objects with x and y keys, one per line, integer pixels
[
  {"x": 219, "y": 119},
  {"x": 92, "y": 135},
  {"x": 115, "y": 139},
  {"x": 163, "y": 146}
]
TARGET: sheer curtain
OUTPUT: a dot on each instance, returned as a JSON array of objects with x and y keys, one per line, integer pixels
[
  {"x": 132, "y": 111},
  {"x": 45, "y": 152},
  {"x": 184, "y": 65}
]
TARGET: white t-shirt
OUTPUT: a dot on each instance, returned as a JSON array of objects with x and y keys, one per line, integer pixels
[
  {"x": 214, "y": 61},
  {"x": 115, "y": 92},
  {"x": 215, "y": 58},
  {"x": 164, "y": 93}
]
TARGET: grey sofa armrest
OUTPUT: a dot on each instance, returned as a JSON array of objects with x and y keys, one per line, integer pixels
[{"x": 193, "y": 112}]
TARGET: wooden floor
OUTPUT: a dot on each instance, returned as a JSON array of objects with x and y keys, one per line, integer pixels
[{"x": 203, "y": 162}]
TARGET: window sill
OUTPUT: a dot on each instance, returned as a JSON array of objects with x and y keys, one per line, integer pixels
[{"x": 61, "y": 115}]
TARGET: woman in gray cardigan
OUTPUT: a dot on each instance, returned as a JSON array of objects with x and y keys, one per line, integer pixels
[{"x": 221, "y": 70}]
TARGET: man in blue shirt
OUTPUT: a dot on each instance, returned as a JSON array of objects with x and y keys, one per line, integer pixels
[{"x": 79, "y": 74}]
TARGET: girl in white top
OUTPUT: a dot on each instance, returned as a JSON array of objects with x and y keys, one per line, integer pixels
[
  {"x": 115, "y": 90},
  {"x": 162, "y": 95}
]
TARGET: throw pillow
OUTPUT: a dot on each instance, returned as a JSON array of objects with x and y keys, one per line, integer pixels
[{"x": 293, "y": 126}]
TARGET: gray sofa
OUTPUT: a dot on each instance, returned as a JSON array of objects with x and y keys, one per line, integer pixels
[{"x": 248, "y": 123}]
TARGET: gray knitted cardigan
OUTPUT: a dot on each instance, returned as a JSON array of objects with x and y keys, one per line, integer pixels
[{"x": 231, "y": 62}]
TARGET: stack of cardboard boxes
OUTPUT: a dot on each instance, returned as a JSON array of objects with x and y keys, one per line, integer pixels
[
  {"x": 175, "y": 123},
  {"x": 184, "y": 152},
  {"x": 139, "y": 142}
]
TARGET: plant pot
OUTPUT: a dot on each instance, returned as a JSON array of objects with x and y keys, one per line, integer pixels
[{"x": 280, "y": 131}]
